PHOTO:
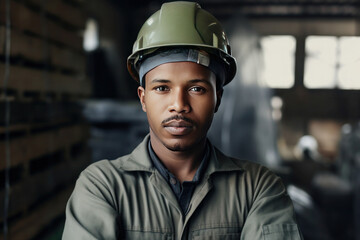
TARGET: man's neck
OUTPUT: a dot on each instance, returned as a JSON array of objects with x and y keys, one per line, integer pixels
[{"x": 183, "y": 164}]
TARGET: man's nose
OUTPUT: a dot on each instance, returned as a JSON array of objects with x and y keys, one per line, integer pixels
[{"x": 180, "y": 102}]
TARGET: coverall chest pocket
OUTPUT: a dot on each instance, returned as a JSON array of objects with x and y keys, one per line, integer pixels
[
  {"x": 222, "y": 233},
  {"x": 281, "y": 232}
]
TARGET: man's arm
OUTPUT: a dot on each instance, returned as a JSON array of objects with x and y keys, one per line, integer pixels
[
  {"x": 90, "y": 213},
  {"x": 271, "y": 215}
]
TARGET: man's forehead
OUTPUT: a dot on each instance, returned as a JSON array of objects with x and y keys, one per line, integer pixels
[{"x": 180, "y": 71}]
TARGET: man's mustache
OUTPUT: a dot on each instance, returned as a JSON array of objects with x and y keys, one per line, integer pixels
[{"x": 178, "y": 117}]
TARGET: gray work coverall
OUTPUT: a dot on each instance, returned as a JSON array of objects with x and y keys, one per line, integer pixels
[{"x": 127, "y": 198}]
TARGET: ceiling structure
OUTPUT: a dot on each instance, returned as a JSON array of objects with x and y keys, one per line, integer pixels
[{"x": 268, "y": 8}]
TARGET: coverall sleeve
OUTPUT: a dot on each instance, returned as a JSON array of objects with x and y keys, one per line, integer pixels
[
  {"x": 271, "y": 215},
  {"x": 90, "y": 212}
]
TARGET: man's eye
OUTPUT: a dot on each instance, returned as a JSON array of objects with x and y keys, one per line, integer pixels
[
  {"x": 197, "y": 89},
  {"x": 161, "y": 88}
]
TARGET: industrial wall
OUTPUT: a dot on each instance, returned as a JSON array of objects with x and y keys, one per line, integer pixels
[{"x": 43, "y": 137}]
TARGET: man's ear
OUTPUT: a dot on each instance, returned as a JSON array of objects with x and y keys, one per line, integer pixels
[
  {"x": 219, "y": 94},
  {"x": 141, "y": 94}
]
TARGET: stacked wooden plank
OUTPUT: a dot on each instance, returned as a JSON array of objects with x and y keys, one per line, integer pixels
[{"x": 46, "y": 144}]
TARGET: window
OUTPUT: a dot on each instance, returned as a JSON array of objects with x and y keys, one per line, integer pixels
[
  {"x": 332, "y": 62},
  {"x": 279, "y": 60}
]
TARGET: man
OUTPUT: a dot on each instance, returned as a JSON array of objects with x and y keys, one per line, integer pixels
[{"x": 175, "y": 184}]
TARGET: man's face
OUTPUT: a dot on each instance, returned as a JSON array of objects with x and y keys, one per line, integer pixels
[{"x": 180, "y": 100}]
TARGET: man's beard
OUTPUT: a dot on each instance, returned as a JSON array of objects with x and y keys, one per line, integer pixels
[{"x": 177, "y": 147}]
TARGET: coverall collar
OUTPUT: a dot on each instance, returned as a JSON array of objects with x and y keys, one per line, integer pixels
[{"x": 139, "y": 160}]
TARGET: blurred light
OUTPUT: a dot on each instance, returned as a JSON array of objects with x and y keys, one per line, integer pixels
[
  {"x": 276, "y": 115},
  {"x": 279, "y": 60},
  {"x": 276, "y": 105},
  {"x": 308, "y": 142},
  {"x": 91, "y": 35},
  {"x": 276, "y": 102}
]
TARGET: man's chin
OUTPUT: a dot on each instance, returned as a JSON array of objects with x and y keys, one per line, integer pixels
[
  {"x": 180, "y": 145},
  {"x": 177, "y": 147}
]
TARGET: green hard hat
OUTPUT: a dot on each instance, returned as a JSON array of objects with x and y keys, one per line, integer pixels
[{"x": 182, "y": 24}]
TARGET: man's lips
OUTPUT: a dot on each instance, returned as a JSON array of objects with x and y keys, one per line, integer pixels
[{"x": 178, "y": 125}]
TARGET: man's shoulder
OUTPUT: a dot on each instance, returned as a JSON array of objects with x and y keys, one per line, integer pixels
[
  {"x": 136, "y": 160},
  {"x": 250, "y": 166},
  {"x": 239, "y": 162},
  {"x": 249, "y": 169},
  {"x": 105, "y": 167}
]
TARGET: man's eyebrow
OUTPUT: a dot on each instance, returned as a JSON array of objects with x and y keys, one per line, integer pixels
[
  {"x": 200, "y": 81},
  {"x": 160, "y": 81},
  {"x": 190, "y": 81}
]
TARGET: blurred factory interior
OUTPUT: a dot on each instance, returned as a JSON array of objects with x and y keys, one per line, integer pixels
[{"x": 66, "y": 100}]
